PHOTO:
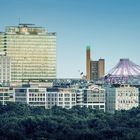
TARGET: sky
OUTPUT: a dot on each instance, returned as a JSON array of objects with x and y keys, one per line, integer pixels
[{"x": 110, "y": 27}]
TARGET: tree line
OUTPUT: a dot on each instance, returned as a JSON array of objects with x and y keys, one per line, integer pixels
[{"x": 23, "y": 122}]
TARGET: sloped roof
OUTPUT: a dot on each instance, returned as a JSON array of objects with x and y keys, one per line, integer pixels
[{"x": 125, "y": 67}]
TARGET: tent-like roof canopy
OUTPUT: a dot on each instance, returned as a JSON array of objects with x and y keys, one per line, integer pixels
[
  {"x": 125, "y": 71},
  {"x": 125, "y": 67}
]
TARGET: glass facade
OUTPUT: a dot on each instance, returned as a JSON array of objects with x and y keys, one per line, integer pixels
[{"x": 32, "y": 51}]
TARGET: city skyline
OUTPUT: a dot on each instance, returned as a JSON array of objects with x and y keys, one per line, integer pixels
[{"x": 111, "y": 28}]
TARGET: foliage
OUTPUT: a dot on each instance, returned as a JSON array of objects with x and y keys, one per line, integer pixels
[{"x": 22, "y": 122}]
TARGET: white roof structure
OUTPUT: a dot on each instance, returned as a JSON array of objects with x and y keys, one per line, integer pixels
[
  {"x": 125, "y": 72},
  {"x": 125, "y": 67}
]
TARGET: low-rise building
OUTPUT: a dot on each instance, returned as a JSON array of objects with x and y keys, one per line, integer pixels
[
  {"x": 33, "y": 96},
  {"x": 63, "y": 97},
  {"x": 94, "y": 97},
  {"x": 6, "y": 95},
  {"x": 123, "y": 97},
  {"x": 46, "y": 97},
  {"x": 79, "y": 97}
]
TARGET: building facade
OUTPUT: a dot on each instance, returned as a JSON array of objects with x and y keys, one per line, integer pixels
[
  {"x": 124, "y": 97},
  {"x": 94, "y": 69},
  {"x": 94, "y": 97},
  {"x": 101, "y": 68},
  {"x": 46, "y": 97},
  {"x": 63, "y": 97},
  {"x": 32, "y": 51},
  {"x": 97, "y": 69},
  {"x": 5, "y": 70},
  {"x": 33, "y": 96},
  {"x": 79, "y": 97},
  {"x": 6, "y": 95}
]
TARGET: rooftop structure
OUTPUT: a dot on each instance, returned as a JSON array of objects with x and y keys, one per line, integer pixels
[
  {"x": 125, "y": 67},
  {"x": 125, "y": 72}
]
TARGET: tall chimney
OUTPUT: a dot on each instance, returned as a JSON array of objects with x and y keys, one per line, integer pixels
[{"x": 88, "y": 69}]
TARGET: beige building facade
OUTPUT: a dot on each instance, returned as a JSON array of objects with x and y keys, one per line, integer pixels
[
  {"x": 32, "y": 51},
  {"x": 124, "y": 97}
]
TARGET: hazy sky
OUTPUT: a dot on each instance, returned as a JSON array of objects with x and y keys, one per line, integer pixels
[{"x": 110, "y": 27}]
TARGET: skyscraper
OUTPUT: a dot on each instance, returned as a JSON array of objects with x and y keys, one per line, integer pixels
[
  {"x": 101, "y": 67},
  {"x": 97, "y": 69},
  {"x": 32, "y": 51},
  {"x": 94, "y": 69}
]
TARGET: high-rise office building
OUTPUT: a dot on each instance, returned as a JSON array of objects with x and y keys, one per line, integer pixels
[
  {"x": 32, "y": 51},
  {"x": 94, "y": 69},
  {"x": 101, "y": 68},
  {"x": 97, "y": 69}
]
